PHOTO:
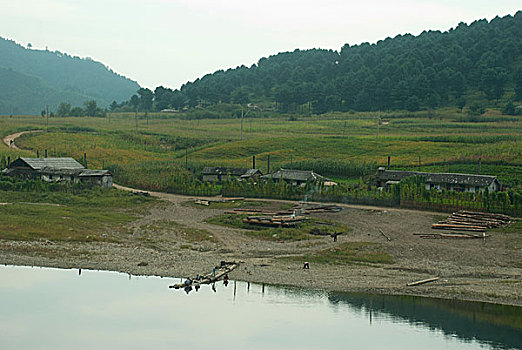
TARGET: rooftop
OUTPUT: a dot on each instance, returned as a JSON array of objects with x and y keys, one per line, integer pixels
[
  {"x": 293, "y": 175},
  {"x": 51, "y": 163},
  {"x": 439, "y": 178}
]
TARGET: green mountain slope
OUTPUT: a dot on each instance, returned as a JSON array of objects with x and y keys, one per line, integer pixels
[
  {"x": 482, "y": 60},
  {"x": 24, "y": 94},
  {"x": 31, "y": 79}
]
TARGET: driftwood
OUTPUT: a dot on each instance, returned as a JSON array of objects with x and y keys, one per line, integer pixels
[
  {"x": 382, "y": 233},
  {"x": 220, "y": 271},
  {"x": 416, "y": 283}
]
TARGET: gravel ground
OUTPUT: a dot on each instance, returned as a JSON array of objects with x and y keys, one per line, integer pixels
[{"x": 488, "y": 271}]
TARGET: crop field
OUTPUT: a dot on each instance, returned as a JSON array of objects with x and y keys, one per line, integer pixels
[{"x": 337, "y": 145}]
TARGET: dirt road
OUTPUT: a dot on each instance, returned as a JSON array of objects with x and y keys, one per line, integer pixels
[{"x": 9, "y": 140}]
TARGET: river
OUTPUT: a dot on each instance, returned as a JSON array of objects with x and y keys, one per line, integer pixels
[{"x": 43, "y": 308}]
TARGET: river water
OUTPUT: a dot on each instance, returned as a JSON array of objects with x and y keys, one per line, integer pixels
[{"x": 42, "y": 308}]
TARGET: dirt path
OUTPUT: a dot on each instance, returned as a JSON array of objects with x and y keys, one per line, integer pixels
[{"x": 9, "y": 140}]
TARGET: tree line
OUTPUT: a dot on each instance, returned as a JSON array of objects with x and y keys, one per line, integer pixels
[{"x": 406, "y": 72}]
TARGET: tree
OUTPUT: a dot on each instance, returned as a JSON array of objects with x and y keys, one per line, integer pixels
[
  {"x": 113, "y": 106},
  {"x": 135, "y": 102},
  {"x": 492, "y": 82},
  {"x": 461, "y": 103},
  {"x": 240, "y": 96},
  {"x": 412, "y": 103},
  {"x": 91, "y": 108},
  {"x": 146, "y": 97},
  {"x": 64, "y": 109},
  {"x": 76, "y": 112},
  {"x": 509, "y": 109},
  {"x": 517, "y": 79}
]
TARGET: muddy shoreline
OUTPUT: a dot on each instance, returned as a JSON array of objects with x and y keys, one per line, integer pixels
[{"x": 470, "y": 270}]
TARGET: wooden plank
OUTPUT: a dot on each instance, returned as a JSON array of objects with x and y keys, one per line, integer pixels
[{"x": 427, "y": 280}]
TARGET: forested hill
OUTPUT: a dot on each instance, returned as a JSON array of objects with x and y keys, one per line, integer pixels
[
  {"x": 481, "y": 61},
  {"x": 32, "y": 79}
]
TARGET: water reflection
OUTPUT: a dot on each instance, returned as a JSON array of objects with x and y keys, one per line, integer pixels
[
  {"x": 497, "y": 325},
  {"x": 63, "y": 309}
]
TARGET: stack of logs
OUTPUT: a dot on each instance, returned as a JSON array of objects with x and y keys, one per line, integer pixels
[
  {"x": 301, "y": 210},
  {"x": 283, "y": 218},
  {"x": 474, "y": 224},
  {"x": 274, "y": 221}
]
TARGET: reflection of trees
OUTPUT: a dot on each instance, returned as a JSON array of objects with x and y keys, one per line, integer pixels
[{"x": 498, "y": 325}]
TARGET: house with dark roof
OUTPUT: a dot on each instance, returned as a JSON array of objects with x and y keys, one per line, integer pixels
[
  {"x": 219, "y": 174},
  {"x": 440, "y": 181},
  {"x": 63, "y": 169},
  {"x": 294, "y": 177}
]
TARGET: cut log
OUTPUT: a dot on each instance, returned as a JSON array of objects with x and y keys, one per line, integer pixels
[{"x": 427, "y": 280}]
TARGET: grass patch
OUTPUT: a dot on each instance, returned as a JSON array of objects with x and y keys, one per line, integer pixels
[
  {"x": 87, "y": 215},
  {"x": 190, "y": 234},
  {"x": 298, "y": 233},
  {"x": 350, "y": 253}
]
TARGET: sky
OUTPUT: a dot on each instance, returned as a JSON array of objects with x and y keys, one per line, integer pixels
[{"x": 170, "y": 42}]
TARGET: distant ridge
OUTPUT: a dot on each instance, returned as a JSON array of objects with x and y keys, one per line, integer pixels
[
  {"x": 479, "y": 63},
  {"x": 32, "y": 79}
]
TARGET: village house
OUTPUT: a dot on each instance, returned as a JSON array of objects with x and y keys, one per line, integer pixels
[
  {"x": 219, "y": 174},
  {"x": 64, "y": 169},
  {"x": 440, "y": 181},
  {"x": 296, "y": 177}
]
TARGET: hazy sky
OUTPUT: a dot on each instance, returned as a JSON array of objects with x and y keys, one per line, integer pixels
[{"x": 169, "y": 42}]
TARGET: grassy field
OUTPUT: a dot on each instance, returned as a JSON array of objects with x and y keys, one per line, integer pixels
[
  {"x": 84, "y": 216},
  {"x": 445, "y": 140}
]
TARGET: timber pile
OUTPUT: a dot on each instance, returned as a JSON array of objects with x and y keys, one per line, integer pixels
[
  {"x": 296, "y": 210},
  {"x": 474, "y": 225},
  {"x": 274, "y": 221},
  {"x": 318, "y": 208},
  {"x": 207, "y": 202},
  {"x": 470, "y": 221},
  {"x": 451, "y": 235},
  {"x": 259, "y": 212},
  {"x": 220, "y": 271}
]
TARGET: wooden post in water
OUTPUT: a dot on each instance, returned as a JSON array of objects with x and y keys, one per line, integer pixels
[
  {"x": 253, "y": 162},
  {"x": 388, "y": 162},
  {"x": 45, "y": 154},
  {"x": 37, "y": 154},
  {"x": 85, "y": 160}
]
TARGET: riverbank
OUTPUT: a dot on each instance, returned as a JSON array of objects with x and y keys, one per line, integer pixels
[{"x": 173, "y": 239}]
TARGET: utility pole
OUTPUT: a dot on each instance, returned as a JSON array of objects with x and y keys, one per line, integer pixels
[
  {"x": 136, "y": 117},
  {"x": 242, "y": 116},
  {"x": 47, "y": 114},
  {"x": 378, "y": 124}
]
